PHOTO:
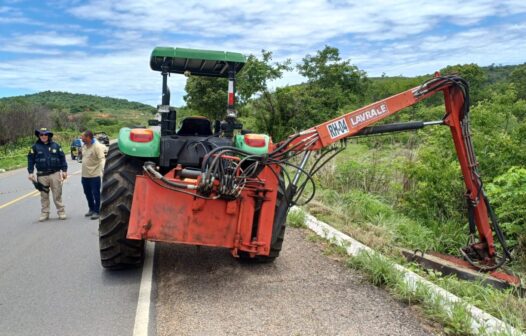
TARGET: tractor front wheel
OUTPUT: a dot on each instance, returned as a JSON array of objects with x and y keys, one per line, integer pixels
[{"x": 116, "y": 251}]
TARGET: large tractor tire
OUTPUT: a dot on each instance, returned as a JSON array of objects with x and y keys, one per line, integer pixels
[
  {"x": 116, "y": 251},
  {"x": 278, "y": 233}
]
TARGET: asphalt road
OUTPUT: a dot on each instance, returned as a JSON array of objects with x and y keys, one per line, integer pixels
[{"x": 51, "y": 281}]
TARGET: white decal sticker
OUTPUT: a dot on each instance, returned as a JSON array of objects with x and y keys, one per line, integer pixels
[
  {"x": 337, "y": 128},
  {"x": 369, "y": 114}
]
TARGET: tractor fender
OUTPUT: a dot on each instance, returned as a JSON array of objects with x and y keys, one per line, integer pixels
[
  {"x": 253, "y": 143},
  {"x": 147, "y": 149}
]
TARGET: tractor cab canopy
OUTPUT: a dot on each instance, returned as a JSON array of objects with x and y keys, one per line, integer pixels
[{"x": 196, "y": 62}]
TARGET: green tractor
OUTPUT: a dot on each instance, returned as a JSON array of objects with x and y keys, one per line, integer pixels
[{"x": 153, "y": 180}]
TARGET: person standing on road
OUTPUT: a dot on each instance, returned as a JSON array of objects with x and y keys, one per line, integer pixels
[
  {"x": 52, "y": 168},
  {"x": 93, "y": 160}
]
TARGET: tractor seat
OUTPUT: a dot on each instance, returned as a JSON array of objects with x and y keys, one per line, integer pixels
[{"x": 195, "y": 126}]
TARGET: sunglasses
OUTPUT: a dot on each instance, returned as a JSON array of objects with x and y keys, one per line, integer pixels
[{"x": 43, "y": 134}]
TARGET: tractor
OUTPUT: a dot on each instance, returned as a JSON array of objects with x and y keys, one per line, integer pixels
[
  {"x": 156, "y": 173},
  {"x": 216, "y": 184}
]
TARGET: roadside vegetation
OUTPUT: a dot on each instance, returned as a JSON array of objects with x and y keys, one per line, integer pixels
[
  {"x": 502, "y": 305},
  {"x": 66, "y": 114}
]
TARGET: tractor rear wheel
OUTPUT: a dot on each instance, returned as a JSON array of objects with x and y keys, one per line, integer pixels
[
  {"x": 278, "y": 235},
  {"x": 116, "y": 251}
]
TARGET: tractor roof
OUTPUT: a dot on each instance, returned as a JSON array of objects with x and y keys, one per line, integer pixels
[{"x": 197, "y": 62}]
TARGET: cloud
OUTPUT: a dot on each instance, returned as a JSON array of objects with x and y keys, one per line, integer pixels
[
  {"x": 299, "y": 22},
  {"x": 103, "y": 47},
  {"x": 48, "y": 43},
  {"x": 12, "y": 15},
  {"x": 123, "y": 75},
  {"x": 52, "y": 39},
  {"x": 482, "y": 46}
]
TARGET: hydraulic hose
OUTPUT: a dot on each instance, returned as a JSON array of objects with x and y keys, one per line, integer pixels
[{"x": 150, "y": 168}]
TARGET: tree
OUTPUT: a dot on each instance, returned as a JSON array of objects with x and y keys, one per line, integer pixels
[
  {"x": 208, "y": 96},
  {"x": 332, "y": 85},
  {"x": 518, "y": 78},
  {"x": 328, "y": 70},
  {"x": 508, "y": 192},
  {"x": 282, "y": 112},
  {"x": 257, "y": 73},
  {"x": 18, "y": 119},
  {"x": 336, "y": 83},
  {"x": 473, "y": 74}
]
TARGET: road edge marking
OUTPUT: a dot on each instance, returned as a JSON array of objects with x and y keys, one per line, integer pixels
[
  {"x": 32, "y": 193},
  {"x": 29, "y": 194},
  {"x": 142, "y": 314}
]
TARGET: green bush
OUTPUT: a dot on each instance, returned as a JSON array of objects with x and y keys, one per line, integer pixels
[
  {"x": 435, "y": 187},
  {"x": 508, "y": 195},
  {"x": 106, "y": 122}
]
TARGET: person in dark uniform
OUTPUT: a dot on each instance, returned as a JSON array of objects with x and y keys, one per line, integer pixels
[{"x": 51, "y": 166}]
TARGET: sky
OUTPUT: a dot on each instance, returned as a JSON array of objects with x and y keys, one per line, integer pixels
[{"x": 102, "y": 47}]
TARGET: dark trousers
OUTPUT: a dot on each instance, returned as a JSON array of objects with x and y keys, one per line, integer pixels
[{"x": 91, "y": 187}]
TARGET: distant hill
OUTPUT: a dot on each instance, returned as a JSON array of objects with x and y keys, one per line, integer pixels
[
  {"x": 75, "y": 102},
  {"x": 68, "y": 112},
  {"x": 497, "y": 73}
]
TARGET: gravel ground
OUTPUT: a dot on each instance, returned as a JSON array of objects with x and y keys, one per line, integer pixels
[{"x": 204, "y": 291}]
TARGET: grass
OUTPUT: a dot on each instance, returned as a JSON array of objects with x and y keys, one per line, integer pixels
[
  {"x": 296, "y": 218},
  {"x": 456, "y": 321},
  {"x": 383, "y": 230},
  {"x": 381, "y": 272},
  {"x": 374, "y": 222},
  {"x": 14, "y": 155},
  {"x": 12, "y": 159},
  {"x": 504, "y": 305}
]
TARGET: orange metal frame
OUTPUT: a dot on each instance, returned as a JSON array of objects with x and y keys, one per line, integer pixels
[{"x": 160, "y": 213}]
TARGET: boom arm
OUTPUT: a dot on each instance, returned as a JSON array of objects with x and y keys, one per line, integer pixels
[
  {"x": 456, "y": 96},
  {"x": 353, "y": 123}
]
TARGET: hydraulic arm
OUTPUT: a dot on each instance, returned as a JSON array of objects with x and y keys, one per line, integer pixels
[{"x": 481, "y": 254}]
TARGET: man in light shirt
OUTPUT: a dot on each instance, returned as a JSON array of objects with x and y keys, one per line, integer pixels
[{"x": 93, "y": 160}]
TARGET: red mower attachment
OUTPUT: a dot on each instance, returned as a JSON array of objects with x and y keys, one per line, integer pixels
[{"x": 169, "y": 208}]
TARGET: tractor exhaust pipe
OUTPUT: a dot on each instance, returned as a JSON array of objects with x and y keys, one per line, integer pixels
[
  {"x": 168, "y": 114},
  {"x": 231, "y": 108},
  {"x": 166, "y": 90}
]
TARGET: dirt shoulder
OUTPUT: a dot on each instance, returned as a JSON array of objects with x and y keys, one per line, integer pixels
[{"x": 204, "y": 291}]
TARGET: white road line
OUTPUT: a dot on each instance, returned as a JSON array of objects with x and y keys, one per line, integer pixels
[{"x": 142, "y": 315}]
